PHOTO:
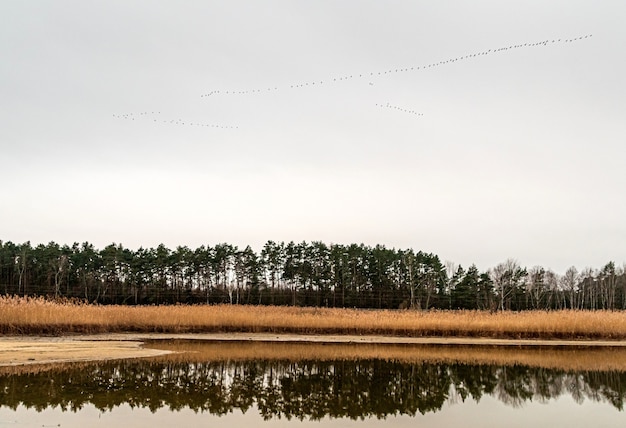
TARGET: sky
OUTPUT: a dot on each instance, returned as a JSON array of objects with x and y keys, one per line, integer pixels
[{"x": 479, "y": 131}]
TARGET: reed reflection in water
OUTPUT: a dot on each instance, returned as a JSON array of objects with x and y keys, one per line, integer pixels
[{"x": 283, "y": 383}]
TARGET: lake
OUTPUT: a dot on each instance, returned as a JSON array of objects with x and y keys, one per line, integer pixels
[{"x": 280, "y": 384}]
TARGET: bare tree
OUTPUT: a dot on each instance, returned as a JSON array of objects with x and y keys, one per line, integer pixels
[
  {"x": 536, "y": 288},
  {"x": 60, "y": 266},
  {"x": 588, "y": 284},
  {"x": 507, "y": 278},
  {"x": 569, "y": 283},
  {"x": 551, "y": 281}
]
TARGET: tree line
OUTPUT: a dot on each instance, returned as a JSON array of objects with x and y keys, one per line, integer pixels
[{"x": 298, "y": 274}]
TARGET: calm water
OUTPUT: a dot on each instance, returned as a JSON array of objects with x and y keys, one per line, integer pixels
[{"x": 198, "y": 391}]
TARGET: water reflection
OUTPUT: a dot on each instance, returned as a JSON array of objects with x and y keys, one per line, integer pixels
[{"x": 299, "y": 388}]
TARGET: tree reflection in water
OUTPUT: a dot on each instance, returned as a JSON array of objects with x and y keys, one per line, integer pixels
[{"x": 306, "y": 389}]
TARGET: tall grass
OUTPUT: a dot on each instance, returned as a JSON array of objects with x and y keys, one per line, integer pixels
[{"x": 39, "y": 316}]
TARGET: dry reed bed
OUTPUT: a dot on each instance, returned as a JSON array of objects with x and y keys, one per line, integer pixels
[{"x": 40, "y": 316}]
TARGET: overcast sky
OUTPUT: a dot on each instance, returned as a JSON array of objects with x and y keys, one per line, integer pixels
[{"x": 199, "y": 122}]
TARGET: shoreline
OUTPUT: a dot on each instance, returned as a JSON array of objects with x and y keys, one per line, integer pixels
[{"x": 37, "y": 350}]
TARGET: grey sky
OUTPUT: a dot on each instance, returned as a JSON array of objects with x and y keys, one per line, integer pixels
[{"x": 519, "y": 152}]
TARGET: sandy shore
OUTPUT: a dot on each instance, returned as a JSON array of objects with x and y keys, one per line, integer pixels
[{"x": 44, "y": 350}]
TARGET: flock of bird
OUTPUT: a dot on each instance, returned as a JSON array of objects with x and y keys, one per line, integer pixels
[
  {"x": 132, "y": 116},
  {"x": 369, "y": 76},
  {"x": 376, "y": 74},
  {"x": 403, "y": 110}
]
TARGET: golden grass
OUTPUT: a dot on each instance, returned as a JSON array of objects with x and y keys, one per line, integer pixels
[{"x": 40, "y": 316}]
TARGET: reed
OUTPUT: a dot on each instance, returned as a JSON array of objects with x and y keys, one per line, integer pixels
[{"x": 19, "y": 316}]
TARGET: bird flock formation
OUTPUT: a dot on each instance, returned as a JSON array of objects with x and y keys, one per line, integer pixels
[
  {"x": 132, "y": 116},
  {"x": 403, "y": 110},
  {"x": 377, "y": 74},
  {"x": 369, "y": 76}
]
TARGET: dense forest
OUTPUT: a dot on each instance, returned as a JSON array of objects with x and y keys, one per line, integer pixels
[{"x": 298, "y": 274}]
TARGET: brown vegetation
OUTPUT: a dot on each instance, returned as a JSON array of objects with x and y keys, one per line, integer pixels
[{"x": 40, "y": 316}]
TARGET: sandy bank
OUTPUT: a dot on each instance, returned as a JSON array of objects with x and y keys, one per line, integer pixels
[
  {"x": 370, "y": 339},
  {"x": 44, "y": 350}
]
